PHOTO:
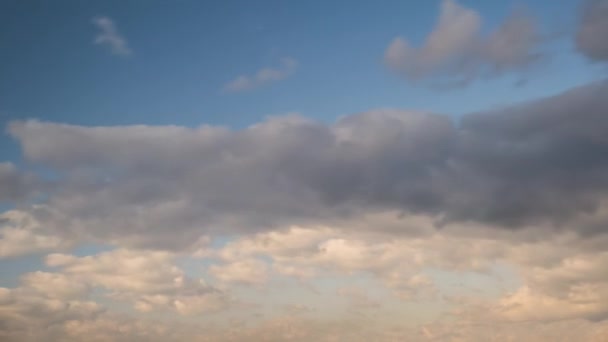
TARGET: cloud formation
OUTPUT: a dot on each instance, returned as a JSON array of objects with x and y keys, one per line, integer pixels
[
  {"x": 109, "y": 37},
  {"x": 386, "y": 225},
  {"x": 14, "y": 185},
  {"x": 456, "y": 52},
  {"x": 403, "y": 199},
  {"x": 538, "y": 164},
  {"x": 262, "y": 77},
  {"x": 20, "y": 234},
  {"x": 563, "y": 286},
  {"x": 593, "y": 28}
]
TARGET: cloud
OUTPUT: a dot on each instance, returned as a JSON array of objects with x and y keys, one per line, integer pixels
[
  {"x": 147, "y": 279},
  {"x": 562, "y": 275},
  {"x": 16, "y": 186},
  {"x": 109, "y": 37},
  {"x": 247, "y": 271},
  {"x": 593, "y": 28},
  {"x": 402, "y": 203},
  {"x": 537, "y": 164},
  {"x": 28, "y": 315},
  {"x": 456, "y": 52},
  {"x": 262, "y": 77},
  {"x": 20, "y": 234}
]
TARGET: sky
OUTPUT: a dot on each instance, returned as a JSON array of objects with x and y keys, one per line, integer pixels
[{"x": 303, "y": 171}]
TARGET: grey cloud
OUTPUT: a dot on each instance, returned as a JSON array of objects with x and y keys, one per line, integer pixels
[
  {"x": 456, "y": 52},
  {"x": 146, "y": 182},
  {"x": 593, "y": 30},
  {"x": 544, "y": 162},
  {"x": 14, "y": 184}
]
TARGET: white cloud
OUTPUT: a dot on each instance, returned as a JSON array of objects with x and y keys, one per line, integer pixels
[
  {"x": 247, "y": 271},
  {"x": 147, "y": 279},
  {"x": 456, "y": 51},
  {"x": 262, "y": 77},
  {"x": 109, "y": 37},
  {"x": 22, "y": 234},
  {"x": 562, "y": 275}
]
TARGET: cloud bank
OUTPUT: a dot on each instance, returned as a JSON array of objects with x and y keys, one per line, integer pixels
[{"x": 542, "y": 163}]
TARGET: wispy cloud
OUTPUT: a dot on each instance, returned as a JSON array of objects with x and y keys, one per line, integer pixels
[
  {"x": 109, "y": 36},
  {"x": 262, "y": 77}
]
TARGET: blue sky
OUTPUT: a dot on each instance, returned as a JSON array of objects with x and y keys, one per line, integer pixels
[
  {"x": 385, "y": 205},
  {"x": 183, "y": 53}
]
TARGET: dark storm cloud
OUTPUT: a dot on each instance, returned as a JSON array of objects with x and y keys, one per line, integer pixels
[
  {"x": 591, "y": 38},
  {"x": 544, "y": 162}
]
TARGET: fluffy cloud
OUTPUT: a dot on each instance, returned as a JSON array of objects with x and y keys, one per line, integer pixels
[
  {"x": 148, "y": 279},
  {"x": 29, "y": 315},
  {"x": 109, "y": 37},
  {"x": 593, "y": 28},
  {"x": 540, "y": 164},
  {"x": 456, "y": 50},
  {"x": 262, "y": 77},
  {"x": 562, "y": 280},
  {"x": 21, "y": 234}
]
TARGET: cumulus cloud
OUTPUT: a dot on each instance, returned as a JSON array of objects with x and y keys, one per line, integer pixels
[
  {"x": 20, "y": 234},
  {"x": 28, "y": 315},
  {"x": 593, "y": 28},
  {"x": 263, "y": 76},
  {"x": 562, "y": 275},
  {"x": 404, "y": 200},
  {"x": 109, "y": 37},
  {"x": 537, "y": 164},
  {"x": 387, "y": 225},
  {"x": 456, "y": 50},
  {"x": 147, "y": 279}
]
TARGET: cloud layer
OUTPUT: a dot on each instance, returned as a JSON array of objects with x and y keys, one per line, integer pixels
[
  {"x": 538, "y": 164},
  {"x": 386, "y": 225},
  {"x": 399, "y": 201}
]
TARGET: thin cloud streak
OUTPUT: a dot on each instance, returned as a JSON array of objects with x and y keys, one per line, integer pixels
[
  {"x": 262, "y": 77},
  {"x": 109, "y": 37}
]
